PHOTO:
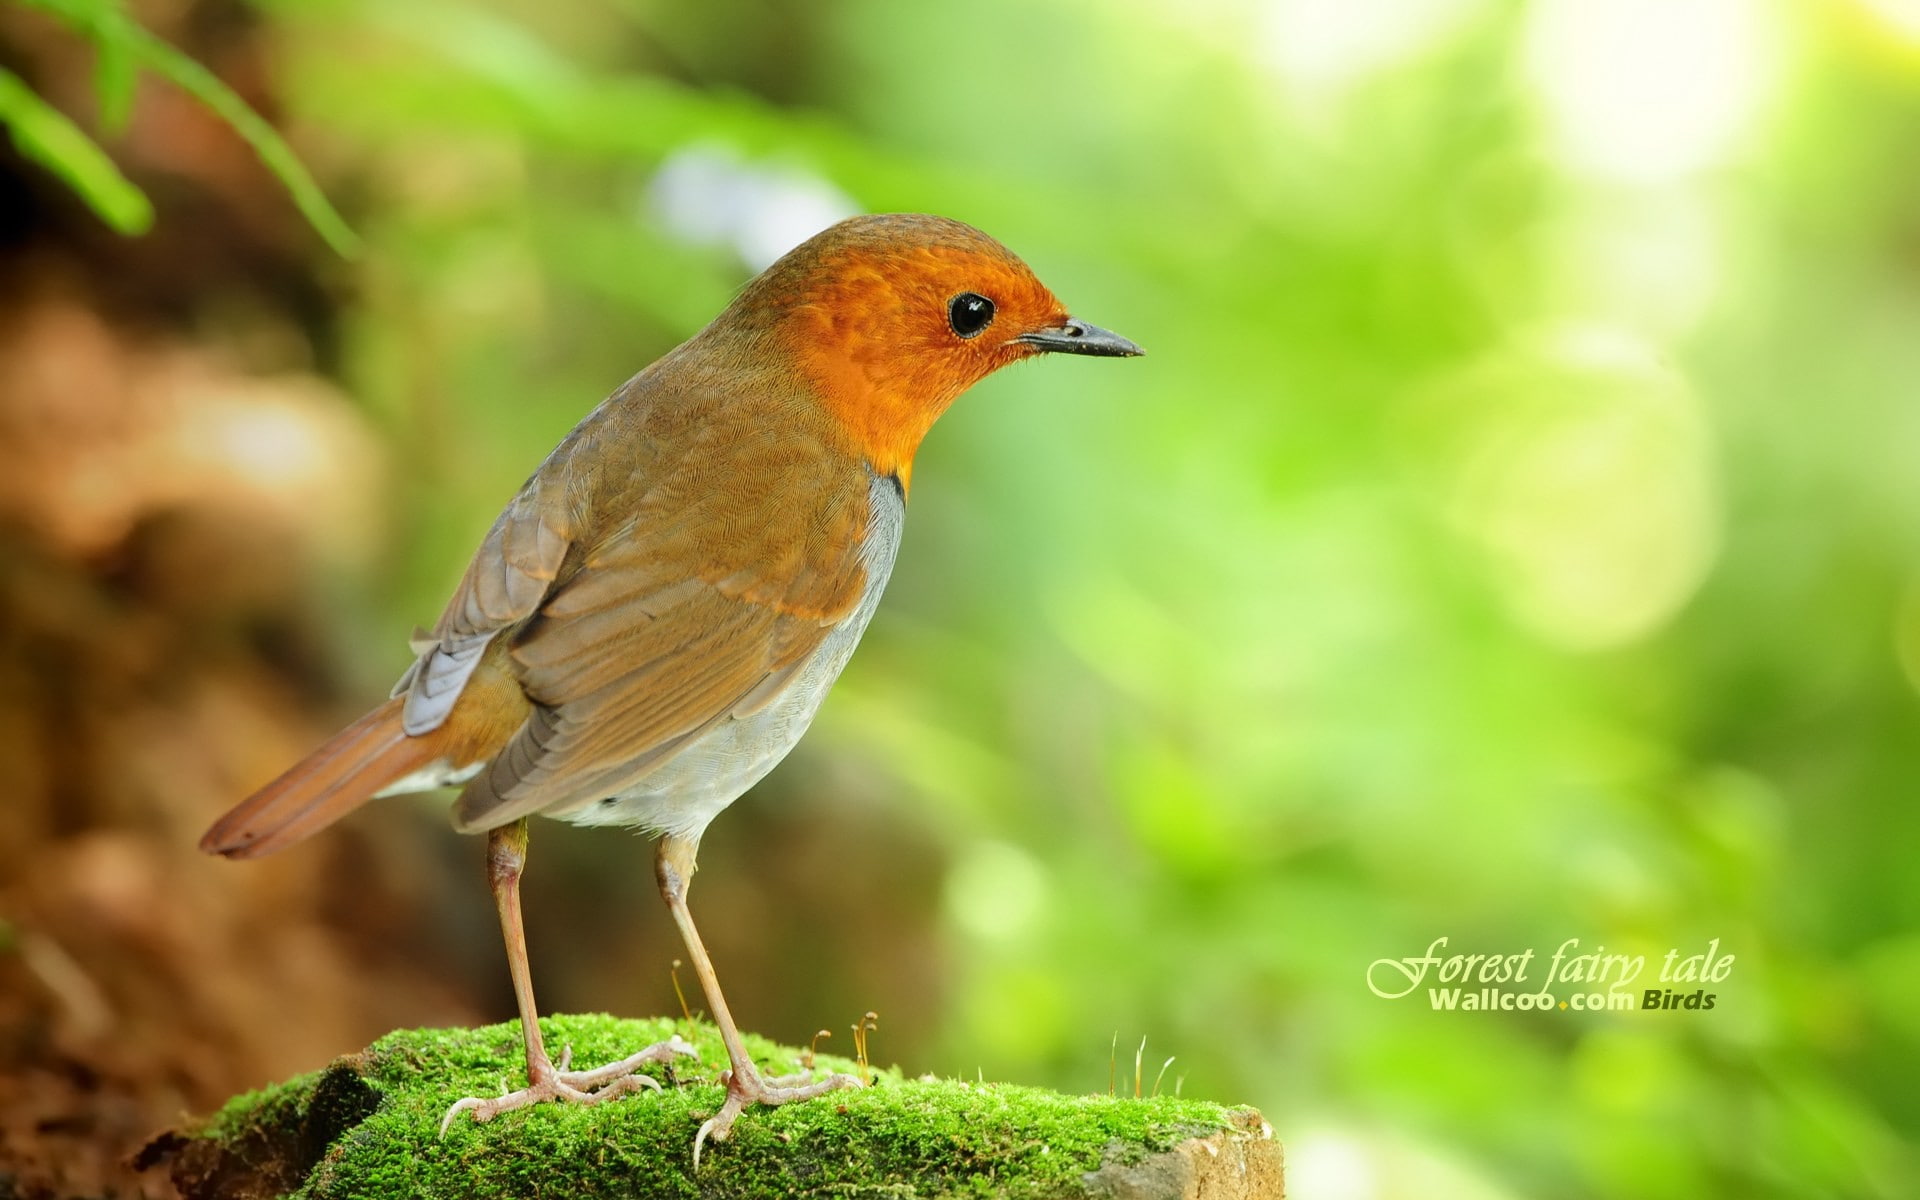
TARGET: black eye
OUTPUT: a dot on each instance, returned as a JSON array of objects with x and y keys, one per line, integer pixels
[{"x": 969, "y": 313}]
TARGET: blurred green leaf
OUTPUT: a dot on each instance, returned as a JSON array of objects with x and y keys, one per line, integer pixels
[
  {"x": 46, "y": 136},
  {"x": 120, "y": 38},
  {"x": 116, "y": 75}
]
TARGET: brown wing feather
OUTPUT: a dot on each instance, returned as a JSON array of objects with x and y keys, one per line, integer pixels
[
  {"x": 509, "y": 575},
  {"x": 738, "y": 559}
]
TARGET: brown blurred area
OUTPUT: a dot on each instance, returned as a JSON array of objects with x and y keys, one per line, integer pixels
[
  {"x": 180, "y": 477},
  {"x": 160, "y": 649}
]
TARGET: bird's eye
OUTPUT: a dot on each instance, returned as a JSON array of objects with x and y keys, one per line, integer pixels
[{"x": 969, "y": 313}]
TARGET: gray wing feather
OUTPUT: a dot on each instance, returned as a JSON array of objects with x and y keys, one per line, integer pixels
[{"x": 510, "y": 575}]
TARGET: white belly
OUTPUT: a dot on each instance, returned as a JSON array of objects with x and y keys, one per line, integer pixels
[{"x": 685, "y": 792}]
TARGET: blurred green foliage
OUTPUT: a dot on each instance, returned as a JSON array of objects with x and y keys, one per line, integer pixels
[
  {"x": 1512, "y": 534},
  {"x": 45, "y": 135},
  {"x": 123, "y": 48}
]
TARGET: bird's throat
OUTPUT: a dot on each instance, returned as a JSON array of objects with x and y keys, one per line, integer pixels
[{"x": 883, "y": 416}]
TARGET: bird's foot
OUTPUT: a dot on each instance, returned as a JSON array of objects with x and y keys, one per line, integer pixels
[
  {"x": 545, "y": 1082},
  {"x": 751, "y": 1089}
]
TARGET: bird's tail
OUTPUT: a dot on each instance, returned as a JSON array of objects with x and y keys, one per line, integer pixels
[{"x": 326, "y": 785}]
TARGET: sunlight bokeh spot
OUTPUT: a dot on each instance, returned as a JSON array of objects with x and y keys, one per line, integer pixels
[
  {"x": 997, "y": 891},
  {"x": 1649, "y": 89},
  {"x": 1899, "y": 17},
  {"x": 1651, "y": 261},
  {"x": 1331, "y": 1166},
  {"x": 1326, "y": 47},
  {"x": 1581, "y": 471}
]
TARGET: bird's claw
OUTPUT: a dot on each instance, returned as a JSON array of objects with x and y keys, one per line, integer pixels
[
  {"x": 575, "y": 1087},
  {"x": 751, "y": 1089}
]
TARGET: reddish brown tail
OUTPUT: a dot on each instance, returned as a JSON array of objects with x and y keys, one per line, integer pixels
[{"x": 324, "y": 786}]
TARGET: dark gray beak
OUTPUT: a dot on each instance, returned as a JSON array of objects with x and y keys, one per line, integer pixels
[{"x": 1078, "y": 337}]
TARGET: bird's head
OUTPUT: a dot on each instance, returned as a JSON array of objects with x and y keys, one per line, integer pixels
[{"x": 890, "y": 317}]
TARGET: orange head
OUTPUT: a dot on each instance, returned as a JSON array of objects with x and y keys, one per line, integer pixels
[{"x": 890, "y": 317}]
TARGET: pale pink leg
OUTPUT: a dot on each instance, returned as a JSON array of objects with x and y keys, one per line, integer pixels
[
  {"x": 506, "y": 860},
  {"x": 673, "y": 865}
]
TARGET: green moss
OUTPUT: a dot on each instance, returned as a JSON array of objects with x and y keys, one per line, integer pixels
[
  {"x": 271, "y": 1107},
  {"x": 379, "y": 1114}
]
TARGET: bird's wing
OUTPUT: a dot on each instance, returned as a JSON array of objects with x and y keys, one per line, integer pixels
[
  {"x": 510, "y": 574},
  {"x": 720, "y": 588}
]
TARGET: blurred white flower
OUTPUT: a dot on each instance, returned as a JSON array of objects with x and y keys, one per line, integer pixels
[{"x": 707, "y": 195}]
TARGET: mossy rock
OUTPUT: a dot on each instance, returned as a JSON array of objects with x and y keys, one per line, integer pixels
[{"x": 368, "y": 1127}]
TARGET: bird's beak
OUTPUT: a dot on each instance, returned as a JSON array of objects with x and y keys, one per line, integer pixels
[{"x": 1078, "y": 337}]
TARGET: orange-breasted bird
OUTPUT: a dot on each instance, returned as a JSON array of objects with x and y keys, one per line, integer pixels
[{"x": 652, "y": 623}]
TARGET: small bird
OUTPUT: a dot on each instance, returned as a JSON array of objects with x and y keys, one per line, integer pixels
[{"x": 654, "y": 620}]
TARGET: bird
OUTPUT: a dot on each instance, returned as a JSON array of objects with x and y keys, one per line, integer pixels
[{"x": 652, "y": 622}]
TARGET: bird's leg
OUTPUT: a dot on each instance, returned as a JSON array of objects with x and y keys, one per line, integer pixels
[
  {"x": 506, "y": 860},
  {"x": 673, "y": 867}
]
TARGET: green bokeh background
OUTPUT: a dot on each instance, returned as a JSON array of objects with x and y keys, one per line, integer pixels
[{"x": 1512, "y": 534}]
